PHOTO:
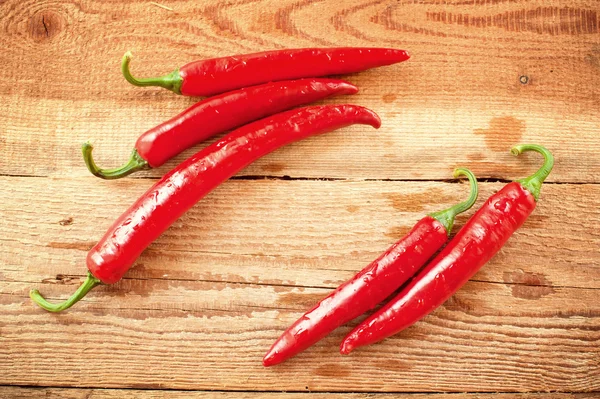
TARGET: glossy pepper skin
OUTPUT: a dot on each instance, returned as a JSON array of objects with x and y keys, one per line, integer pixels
[
  {"x": 194, "y": 178},
  {"x": 372, "y": 284},
  {"x": 474, "y": 245},
  {"x": 218, "y": 75},
  {"x": 215, "y": 115}
]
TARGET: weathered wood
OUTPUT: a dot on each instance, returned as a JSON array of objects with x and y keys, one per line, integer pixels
[
  {"x": 204, "y": 303},
  {"x": 188, "y": 335},
  {"x": 76, "y": 393},
  {"x": 459, "y": 100},
  {"x": 208, "y": 299},
  {"x": 300, "y": 233}
]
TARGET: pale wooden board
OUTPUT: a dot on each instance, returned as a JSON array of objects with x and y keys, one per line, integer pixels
[
  {"x": 207, "y": 300},
  {"x": 212, "y": 336},
  {"x": 59, "y": 393},
  {"x": 275, "y": 232},
  {"x": 459, "y": 100}
]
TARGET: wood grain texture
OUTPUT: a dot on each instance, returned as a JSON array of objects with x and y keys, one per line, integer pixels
[
  {"x": 459, "y": 100},
  {"x": 205, "y": 302},
  {"x": 282, "y": 229},
  {"x": 207, "y": 299},
  {"x": 212, "y": 336},
  {"x": 71, "y": 393}
]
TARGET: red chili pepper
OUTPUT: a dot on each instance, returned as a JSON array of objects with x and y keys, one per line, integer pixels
[
  {"x": 215, "y": 115},
  {"x": 193, "y": 179},
  {"x": 218, "y": 75},
  {"x": 474, "y": 245},
  {"x": 372, "y": 284}
]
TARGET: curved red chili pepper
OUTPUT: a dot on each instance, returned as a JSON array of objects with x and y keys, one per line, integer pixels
[
  {"x": 218, "y": 75},
  {"x": 474, "y": 245},
  {"x": 193, "y": 179},
  {"x": 372, "y": 284},
  {"x": 215, "y": 115}
]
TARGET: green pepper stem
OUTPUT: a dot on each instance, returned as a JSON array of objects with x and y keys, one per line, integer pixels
[
  {"x": 446, "y": 217},
  {"x": 136, "y": 162},
  {"x": 534, "y": 182},
  {"x": 89, "y": 283},
  {"x": 171, "y": 81}
]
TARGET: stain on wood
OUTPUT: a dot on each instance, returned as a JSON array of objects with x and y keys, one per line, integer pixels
[
  {"x": 389, "y": 98},
  {"x": 333, "y": 370},
  {"x": 274, "y": 167},
  {"x": 397, "y": 232},
  {"x": 502, "y": 130},
  {"x": 416, "y": 202},
  {"x": 394, "y": 365},
  {"x": 528, "y": 285}
]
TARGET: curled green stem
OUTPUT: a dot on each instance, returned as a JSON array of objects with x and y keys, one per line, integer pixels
[
  {"x": 171, "y": 81},
  {"x": 89, "y": 283},
  {"x": 446, "y": 217},
  {"x": 534, "y": 182},
  {"x": 135, "y": 163}
]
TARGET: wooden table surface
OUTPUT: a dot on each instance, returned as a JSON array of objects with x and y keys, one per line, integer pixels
[{"x": 197, "y": 312}]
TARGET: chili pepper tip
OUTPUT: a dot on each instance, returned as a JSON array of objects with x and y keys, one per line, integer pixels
[
  {"x": 269, "y": 359},
  {"x": 346, "y": 347},
  {"x": 370, "y": 118},
  {"x": 348, "y": 88}
]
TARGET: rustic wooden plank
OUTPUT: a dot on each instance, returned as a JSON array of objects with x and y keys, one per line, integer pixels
[
  {"x": 77, "y": 393},
  {"x": 221, "y": 285},
  {"x": 459, "y": 100},
  {"x": 188, "y": 335},
  {"x": 207, "y": 299},
  {"x": 298, "y": 233}
]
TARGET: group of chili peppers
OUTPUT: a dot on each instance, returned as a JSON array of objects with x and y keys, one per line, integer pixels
[{"x": 267, "y": 85}]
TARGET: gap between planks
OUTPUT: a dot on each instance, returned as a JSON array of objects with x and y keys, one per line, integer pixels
[
  {"x": 208, "y": 394},
  {"x": 259, "y": 284},
  {"x": 305, "y": 178}
]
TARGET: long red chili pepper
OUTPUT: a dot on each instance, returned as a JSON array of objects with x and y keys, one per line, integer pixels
[
  {"x": 193, "y": 179},
  {"x": 372, "y": 284},
  {"x": 215, "y": 115},
  {"x": 218, "y": 75},
  {"x": 474, "y": 245}
]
